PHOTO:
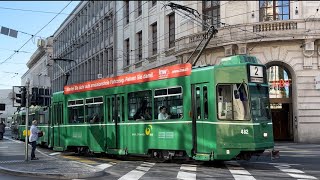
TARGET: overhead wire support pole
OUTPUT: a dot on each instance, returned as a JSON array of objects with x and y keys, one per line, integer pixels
[
  {"x": 67, "y": 74},
  {"x": 211, "y": 28},
  {"x": 214, "y": 31}
]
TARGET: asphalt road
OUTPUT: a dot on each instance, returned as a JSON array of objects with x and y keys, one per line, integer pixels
[{"x": 297, "y": 161}]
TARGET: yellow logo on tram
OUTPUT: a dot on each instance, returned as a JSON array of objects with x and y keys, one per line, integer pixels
[
  {"x": 24, "y": 132},
  {"x": 148, "y": 130}
]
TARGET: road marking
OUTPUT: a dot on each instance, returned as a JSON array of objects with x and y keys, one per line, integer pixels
[
  {"x": 4, "y": 147},
  {"x": 138, "y": 172},
  {"x": 295, "y": 173},
  {"x": 87, "y": 161},
  {"x": 13, "y": 140},
  {"x": 11, "y": 161},
  {"x": 55, "y": 153},
  {"x": 238, "y": 172},
  {"x": 185, "y": 172},
  {"x": 104, "y": 166}
]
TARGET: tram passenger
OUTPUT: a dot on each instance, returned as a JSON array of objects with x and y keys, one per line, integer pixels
[
  {"x": 75, "y": 119},
  {"x": 141, "y": 110},
  {"x": 147, "y": 114},
  {"x": 94, "y": 118},
  {"x": 163, "y": 115}
]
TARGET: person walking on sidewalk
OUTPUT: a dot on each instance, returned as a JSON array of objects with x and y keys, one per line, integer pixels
[
  {"x": 2, "y": 130},
  {"x": 33, "y": 138}
]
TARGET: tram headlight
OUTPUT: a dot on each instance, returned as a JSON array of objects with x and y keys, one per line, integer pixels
[{"x": 265, "y": 135}]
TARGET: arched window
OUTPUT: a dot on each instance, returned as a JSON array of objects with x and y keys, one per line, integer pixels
[{"x": 279, "y": 82}]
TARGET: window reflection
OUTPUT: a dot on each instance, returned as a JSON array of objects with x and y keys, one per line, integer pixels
[
  {"x": 274, "y": 10},
  {"x": 279, "y": 82},
  {"x": 211, "y": 13}
]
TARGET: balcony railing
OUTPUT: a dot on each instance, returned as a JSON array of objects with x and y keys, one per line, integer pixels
[
  {"x": 276, "y": 26},
  {"x": 254, "y": 32}
]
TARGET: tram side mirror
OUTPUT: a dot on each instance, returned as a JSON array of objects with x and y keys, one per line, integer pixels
[{"x": 236, "y": 94}]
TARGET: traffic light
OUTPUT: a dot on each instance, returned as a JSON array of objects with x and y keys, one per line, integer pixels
[
  {"x": 21, "y": 97},
  {"x": 34, "y": 96}
]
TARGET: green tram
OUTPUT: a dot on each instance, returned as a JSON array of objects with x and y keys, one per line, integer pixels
[
  {"x": 218, "y": 112},
  {"x": 35, "y": 112}
]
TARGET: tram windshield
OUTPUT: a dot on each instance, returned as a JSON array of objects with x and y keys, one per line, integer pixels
[
  {"x": 260, "y": 106},
  {"x": 233, "y": 102}
]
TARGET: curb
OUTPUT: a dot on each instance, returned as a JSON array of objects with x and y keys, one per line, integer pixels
[{"x": 98, "y": 172}]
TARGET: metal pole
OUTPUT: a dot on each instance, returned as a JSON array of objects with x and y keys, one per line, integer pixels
[{"x": 27, "y": 119}]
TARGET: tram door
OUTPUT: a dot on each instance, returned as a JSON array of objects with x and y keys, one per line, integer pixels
[
  {"x": 200, "y": 113},
  {"x": 57, "y": 119},
  {"x": 115, "y": 113}
]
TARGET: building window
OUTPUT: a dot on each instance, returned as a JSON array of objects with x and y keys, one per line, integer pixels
[
  {"x": 171, "y": 30},
  {"x": 127, "y": 53},
  {"x": 126, "y": 12},
  {"x": 154, "y": 3},
  {"x": 211, "y": 13},
  {"x": 139, "y": 55},
  {"x": 274, "y": 10},
  {"x": 139, "y": 8},
  {"x": 154, "y": 39},
  {"x": 111, "y": 60}
]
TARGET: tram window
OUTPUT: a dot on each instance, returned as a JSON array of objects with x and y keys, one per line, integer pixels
[
  {"x": 122, "y": 108},
  {"x": 205, "y": 101},
  {"x": 113, "y": 106},
  {"x": 118, "y": 115},
  {"x": 139, "y": 105},
  {"x": 198, "y": 106},
  {"x": 224, "y": 102},
  {"x": 89, "y": 100},
  {"x": 94, "y": 113},
  {"x": 98, "y": 99},
  {"x": 177, "y": 90},
  {"x": 173, "y": 104},
  {"x": 232, "y": 102},
  {"x": 76, "y": 114},
  {"x": 161, "y": 92},
  {"x": 41, "y": 119},
  {"x": 109, "y": 109}
]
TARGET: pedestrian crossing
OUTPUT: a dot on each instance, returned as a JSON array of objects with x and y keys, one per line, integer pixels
[{"x": 229, "y": 170}]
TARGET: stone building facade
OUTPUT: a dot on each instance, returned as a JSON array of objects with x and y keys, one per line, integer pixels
[
  {"x": 85, "y": 37},
  {"x": 284, "y": 35},
  {"x": 39, "y": 66}
]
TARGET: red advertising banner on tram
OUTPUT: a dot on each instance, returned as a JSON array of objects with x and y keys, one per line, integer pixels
[{"x": 134, "y": 78}]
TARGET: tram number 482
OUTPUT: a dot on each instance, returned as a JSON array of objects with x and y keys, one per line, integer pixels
[{"x": 244, "y": 131}]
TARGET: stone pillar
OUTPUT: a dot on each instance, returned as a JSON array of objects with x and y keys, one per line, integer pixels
[{"x": 308, "y": 52}]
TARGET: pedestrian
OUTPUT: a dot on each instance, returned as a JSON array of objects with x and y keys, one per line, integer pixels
[
  {"x": 33, "y": 138},
  {"x": 2, "y": 130}
]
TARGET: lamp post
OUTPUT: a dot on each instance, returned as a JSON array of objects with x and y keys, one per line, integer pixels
[{"x": 27, "y": 119}]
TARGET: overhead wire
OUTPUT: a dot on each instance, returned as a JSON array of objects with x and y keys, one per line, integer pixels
[{"x": 36, "y": 34}]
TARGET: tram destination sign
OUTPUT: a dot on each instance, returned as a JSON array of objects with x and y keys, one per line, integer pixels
[
  {"x": 167, "y": 72},
  {"x": 256, "y": 74}
]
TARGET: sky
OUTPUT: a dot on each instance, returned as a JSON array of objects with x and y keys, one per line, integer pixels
[{"x": 30, "y": 22}]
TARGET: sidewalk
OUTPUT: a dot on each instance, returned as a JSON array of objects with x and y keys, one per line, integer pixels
[{"x": 12, "y": 162}]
